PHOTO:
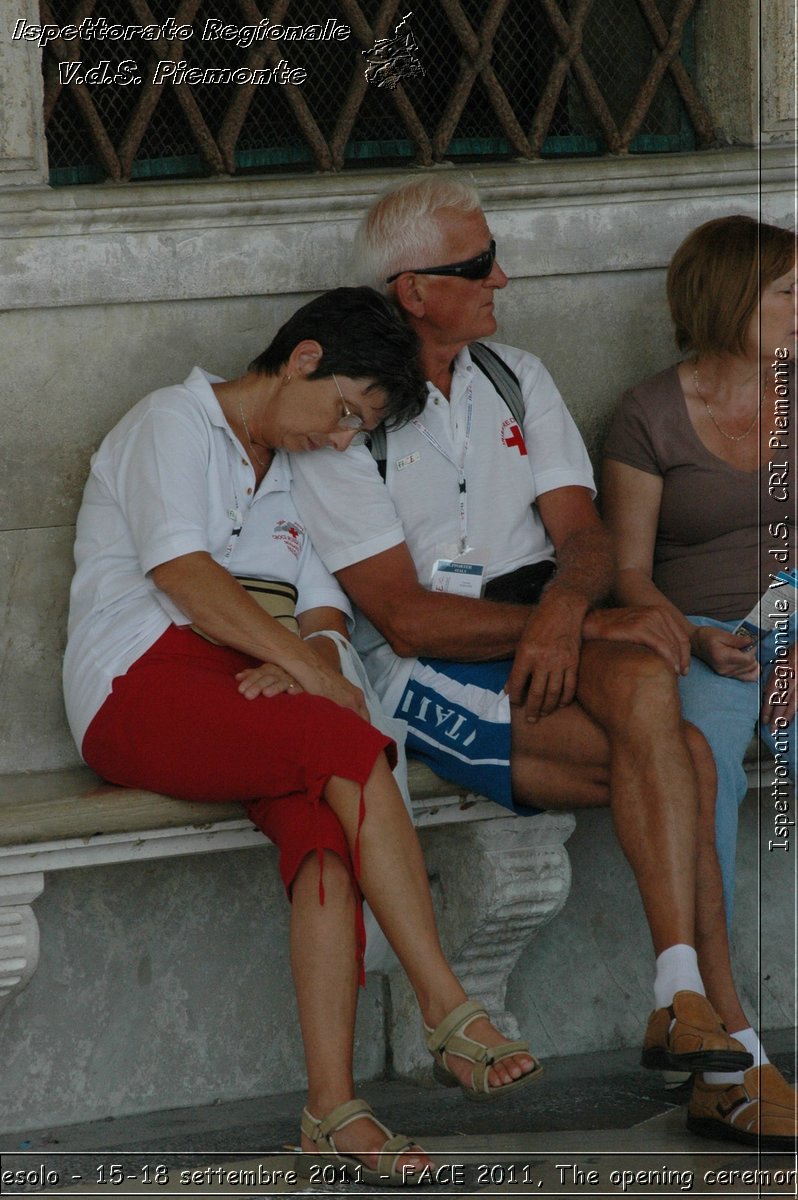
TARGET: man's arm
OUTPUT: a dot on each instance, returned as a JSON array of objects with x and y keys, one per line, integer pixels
[
  {"x": 416, "y": 621},
  {"x": 546, "y": 666},
  {"x": 546, "y": 662}
]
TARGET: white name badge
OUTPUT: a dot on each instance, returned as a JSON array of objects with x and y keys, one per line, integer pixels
[{"x": 457, "y": 577}]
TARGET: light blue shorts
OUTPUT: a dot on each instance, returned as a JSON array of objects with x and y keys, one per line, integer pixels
[{"x": 458, "y": 718}]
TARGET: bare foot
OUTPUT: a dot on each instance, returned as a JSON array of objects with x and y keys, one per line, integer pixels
[
  {"x": 507, "y": 1070},
  {"x": 364, "y": 1140}
]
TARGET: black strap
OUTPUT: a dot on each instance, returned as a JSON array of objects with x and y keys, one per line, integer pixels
[{"x": 503, "y": 379}]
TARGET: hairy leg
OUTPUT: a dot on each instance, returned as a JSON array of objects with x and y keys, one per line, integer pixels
[
  {"x": 560, "y": 761},
  {"x": 712, "y": 942},
  {"x": 623, "y": 743}
]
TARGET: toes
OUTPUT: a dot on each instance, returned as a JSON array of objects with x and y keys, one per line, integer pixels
[
  {"x": 510, "y": 1069},
  {"x": 414, "y": 1162}
]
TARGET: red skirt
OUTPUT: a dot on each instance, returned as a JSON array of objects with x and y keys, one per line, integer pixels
[{"x": 176, "y": 723}]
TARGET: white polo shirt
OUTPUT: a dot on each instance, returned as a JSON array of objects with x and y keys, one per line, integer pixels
[
  {"x": 171, "y": 479},
  {"x": 352, "y": 515}
]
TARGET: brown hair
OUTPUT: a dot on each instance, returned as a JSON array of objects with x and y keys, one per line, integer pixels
[{"x": 716, "y": 277}]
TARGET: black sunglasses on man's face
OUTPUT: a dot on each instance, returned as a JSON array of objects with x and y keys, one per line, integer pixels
[{"x": 478, "y": 267}]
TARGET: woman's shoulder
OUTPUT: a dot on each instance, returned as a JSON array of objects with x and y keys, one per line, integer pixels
[
  {"x": 646, "y": 418},
  {"x": 663, "y": 388},
  {"x": 184, "y": 406}
]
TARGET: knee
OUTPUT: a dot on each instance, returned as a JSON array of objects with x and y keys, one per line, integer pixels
[
  {"x": 640, "y": 688},
  {"x": 329, "y": 876}
]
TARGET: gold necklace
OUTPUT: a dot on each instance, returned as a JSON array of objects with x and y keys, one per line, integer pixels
[
  {"x": 731, "y": 437},
  {"x": 249, "y": 437}
]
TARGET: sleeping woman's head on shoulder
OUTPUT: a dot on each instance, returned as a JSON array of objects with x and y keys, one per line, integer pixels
[{"x": 362, "y": 335}]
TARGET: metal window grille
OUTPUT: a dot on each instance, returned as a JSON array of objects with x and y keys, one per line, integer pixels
[{"x": 502, "y": 79}]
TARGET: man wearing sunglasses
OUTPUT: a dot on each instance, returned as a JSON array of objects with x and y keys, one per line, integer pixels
[{"x": 478, "y": 563}]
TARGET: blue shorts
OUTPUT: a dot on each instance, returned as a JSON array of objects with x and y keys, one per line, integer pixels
[{"x": 458, "y": 718}]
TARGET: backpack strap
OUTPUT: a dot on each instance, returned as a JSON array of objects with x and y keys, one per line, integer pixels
[
  {"x": 503, "y": 379},
  {"x": 378, "y": 446}
]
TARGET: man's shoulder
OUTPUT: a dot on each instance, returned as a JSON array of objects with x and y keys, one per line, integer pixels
[
  {"x": 538, "y": 390},
  {"x": 528, "y": 369},
  {"x": 515, "y": 358}
]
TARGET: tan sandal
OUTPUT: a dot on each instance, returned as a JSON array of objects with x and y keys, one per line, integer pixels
[
  {"x": 449, "y": 1038},
  {"x": 385, "y": 1174}
]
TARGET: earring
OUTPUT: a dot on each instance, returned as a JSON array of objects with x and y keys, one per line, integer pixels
[{"x": 287, "y": 378}]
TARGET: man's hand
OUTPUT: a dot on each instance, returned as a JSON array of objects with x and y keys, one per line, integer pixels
[
  {"x": 546, "y": 661},
  {"x": 649, "y": 625},
  {"x": 783, "y": 707},
  {"x": 727, "y": 653}
]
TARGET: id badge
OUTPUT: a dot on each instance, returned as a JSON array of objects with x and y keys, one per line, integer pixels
[{"x": 458, "y": 577}]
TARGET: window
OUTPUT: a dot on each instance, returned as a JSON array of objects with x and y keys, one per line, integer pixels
[{"x": 499, "y": 80}]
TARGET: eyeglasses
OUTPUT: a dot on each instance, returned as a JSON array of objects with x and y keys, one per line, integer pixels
[
  {"x": 478, "y": 267},
  {"x": 350, "y": 422}
]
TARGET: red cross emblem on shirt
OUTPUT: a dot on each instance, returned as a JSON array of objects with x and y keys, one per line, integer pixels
[{"x": 512, "y": 436}]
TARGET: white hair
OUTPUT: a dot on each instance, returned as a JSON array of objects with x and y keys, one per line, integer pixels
[{"x": 401, "y": 231}]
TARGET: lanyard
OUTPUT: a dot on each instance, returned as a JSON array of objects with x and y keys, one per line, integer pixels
[
  {"x": 237, "y": 517},
  {"x": 460, "y": 467},
  {"x": 235, "y": 514}
]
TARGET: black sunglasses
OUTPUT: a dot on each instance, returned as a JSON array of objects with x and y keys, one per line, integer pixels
[{"x": 478, "y": 267}]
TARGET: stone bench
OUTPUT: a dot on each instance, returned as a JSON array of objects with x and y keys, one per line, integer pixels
[{"x": 507, "y": 877}]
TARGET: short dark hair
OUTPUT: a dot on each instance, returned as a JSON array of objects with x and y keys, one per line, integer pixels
[
  {"x": 363, "y": 336},
  {"x": 716, "y": 277}
]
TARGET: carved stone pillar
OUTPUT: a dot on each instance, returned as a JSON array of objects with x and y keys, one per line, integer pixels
[
  {"x": 495, "y": 883},
  {"x": 19, "y": 932},
  {"x": 23, "y": 152}
]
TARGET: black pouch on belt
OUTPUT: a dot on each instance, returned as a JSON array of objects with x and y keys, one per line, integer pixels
[{"x": 522, "y": 586}]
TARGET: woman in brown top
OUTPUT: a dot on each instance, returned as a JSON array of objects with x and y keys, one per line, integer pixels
[{"x": 699, "y": 492}]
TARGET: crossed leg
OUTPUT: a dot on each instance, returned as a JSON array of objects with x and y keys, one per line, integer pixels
[
  {"x": 394, "y": 881},
  {"x": 624, "y": 744}
]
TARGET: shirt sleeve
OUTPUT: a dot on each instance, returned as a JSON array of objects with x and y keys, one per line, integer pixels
[
  {"x": 557, "y": 454},
  {"x": 158, "y": 474},
  {"x": 345, "y": 505},
  {"x": 317, "y": 588},
  {"x": 630, "y": 438}
]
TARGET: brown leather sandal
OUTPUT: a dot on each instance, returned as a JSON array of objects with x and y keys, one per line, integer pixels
[
  {"x": 690, "y": 1036},
  {"x": 761, "y": 1111}
]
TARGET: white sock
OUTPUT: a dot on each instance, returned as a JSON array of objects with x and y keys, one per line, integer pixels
[
  {"x": 753, "y": 1045},
  {"x": 676, "y": 971}
]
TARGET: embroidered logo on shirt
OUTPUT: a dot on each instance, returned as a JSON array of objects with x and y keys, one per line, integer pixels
[
  {"x": 291, "y": 534},
  {"x": 512, "y": 436}
]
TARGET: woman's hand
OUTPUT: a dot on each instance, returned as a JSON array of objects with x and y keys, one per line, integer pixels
[
  {"x": 267, "y": 679},
  {"x": 317, "y": 678},
  {"x": 727, "y": 653},
  {"x": 780, "y": 693}
]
